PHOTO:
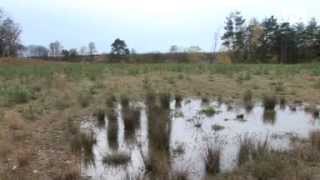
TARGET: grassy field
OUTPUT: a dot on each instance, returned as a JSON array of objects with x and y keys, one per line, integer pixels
[{"x": 42, "y": 102}]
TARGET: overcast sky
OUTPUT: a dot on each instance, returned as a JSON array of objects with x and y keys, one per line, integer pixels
[{"x": 146, "y": 25}]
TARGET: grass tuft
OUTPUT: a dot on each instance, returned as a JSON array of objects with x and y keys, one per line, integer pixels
[
  {"x": 116, "y": 159},
  {"x": 209, "y": 111},
  {"x": 269, "y": 103}
]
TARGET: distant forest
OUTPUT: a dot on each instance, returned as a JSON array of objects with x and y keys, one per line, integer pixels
[{"x": 243, "y": 41}]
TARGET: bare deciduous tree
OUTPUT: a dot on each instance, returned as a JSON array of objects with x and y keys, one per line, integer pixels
[
  {"x": 55, "y": 48},
  {"x": 9, "y": 36},
  {"x": 92, "y": 48}
]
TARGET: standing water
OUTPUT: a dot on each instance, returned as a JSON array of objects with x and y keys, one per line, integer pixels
[{"x": 138, "y": 140}]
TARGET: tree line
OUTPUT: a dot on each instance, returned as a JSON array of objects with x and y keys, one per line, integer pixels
[
  {"x": 253, "y": 41},
  {"x": 270, "y": 41}
]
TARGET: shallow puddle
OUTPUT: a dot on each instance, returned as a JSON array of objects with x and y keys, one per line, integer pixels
[{"x": 130, "y": 139}]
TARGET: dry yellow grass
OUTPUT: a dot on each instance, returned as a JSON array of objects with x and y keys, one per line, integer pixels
[
  {"x": 14, "y": 120},
  {"x": 57, "y": 99}
]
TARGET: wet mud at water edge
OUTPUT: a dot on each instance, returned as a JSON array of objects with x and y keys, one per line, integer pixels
[{"x": 164, "y": 137}]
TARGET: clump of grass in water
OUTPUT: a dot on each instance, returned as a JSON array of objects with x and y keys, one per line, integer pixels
[
  {"x": 217, "y": 127},
  {"x": 83, "y": 144},
  {"x": 88, "y": 141},
  {"x": 165, "y": 100},
  {"x": 124, "y": 100},
  {"x": 100, "y": 115},
  {"x": 283, "y": 102},
  {"x": 111, "y": 102},
  {"x": 179, "y": 149},
  {"x": 246, "y": 145},
  {"x": 247, "y": 99},
  {"x": 250, "y": 150},
  {"x": 205, "y": 101},
  {"x": 178, "y": 99},
  {"x": 264, "y": 163},
  {"x": 269, "y": 103},
  {"x": 209, "y": 111},
  {"x": 116, "y": 159}
]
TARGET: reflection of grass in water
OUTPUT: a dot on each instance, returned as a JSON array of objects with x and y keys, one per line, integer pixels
[
  {"x": 87, "y": 144},
  {"x": 159, "y": 133},
  {"x": 251, "y": 149},
  {"x": 178, "y": 99},
  {"x": 100, "y": 115},
  {"x": 112, "y": 130},
  {"x": 131, "y": 117},
  {"x": 165, "y": 100},
  {"x": 212, "y": 160},
  {"x": 246, "y": 145},
  {"x": 124, "y": 101},
  {"x": 116, "y": 159},
  {"x": 178, "y": 150},
  {"x": 269, "y": 116},
  {"x": 83, "y": 144}
]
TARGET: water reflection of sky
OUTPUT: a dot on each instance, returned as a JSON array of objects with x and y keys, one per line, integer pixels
[{"x": 194, "y": 132}]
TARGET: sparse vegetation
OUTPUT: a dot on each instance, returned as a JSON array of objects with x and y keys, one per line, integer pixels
[
  {"x": 212, "y": 161},
  {"x": 58, "y": 105},
  {"x": 209, "y": 111},
  {"x": 66, "y": 91},
  {"x": 217, "y": 127},
  {"x": 269, "y": 103},
  {"x": 315, "y": 139}
]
